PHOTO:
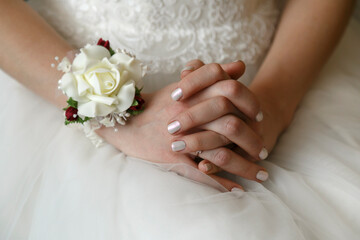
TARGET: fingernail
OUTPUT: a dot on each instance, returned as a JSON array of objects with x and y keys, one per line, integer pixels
[
  {"x": 262, "y": 175},
  {"x": 208, "y": 167},
  {"x": 259, "y": 117},
  {"x": 237, "y": 61},
  {"x": 188, "y": 68},
  {"x": 263, "y": 154},
  {"x": 174, "y": 127},
  {"x": 235, "y": 189},
  {"x": 176, "y": 94},
  {"x": 178, "y": 146}
]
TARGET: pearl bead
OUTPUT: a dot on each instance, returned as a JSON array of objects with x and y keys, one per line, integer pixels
[
  {"x": 52, "y": 65},
  {"x": 56, "y": 58}
]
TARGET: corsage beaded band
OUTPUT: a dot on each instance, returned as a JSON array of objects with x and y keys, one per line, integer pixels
[{"x": 103, "y": 87}]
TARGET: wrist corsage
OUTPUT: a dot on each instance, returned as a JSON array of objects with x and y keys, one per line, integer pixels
[{"x": 103, "y": 87}]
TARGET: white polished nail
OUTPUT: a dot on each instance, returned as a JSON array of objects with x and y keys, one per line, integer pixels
[
  {"x": 188, "y": 68},
  {"x": 263, "y": 154},
  {"x": 262, "y": 175},
  {"x": 176, "y": 94},
  {"x": 178, "y": 146},
  {"x": 174, "y": 127},
  {"x": 259, "y": 117}
]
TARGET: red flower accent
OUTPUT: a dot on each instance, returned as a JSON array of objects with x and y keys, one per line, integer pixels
[
  {"x": 105, "y": 44},
  {"x": 70, "y": 113},
  {"x": 140, "y": 103}
]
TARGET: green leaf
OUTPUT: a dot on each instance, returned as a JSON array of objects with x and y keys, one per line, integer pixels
[
  {"x": 137, "y": 91},
  {"x": 78, "y": 120},
  {"x": 135, "y": 103},
  {"x": 112, "y": 52},
  {"x": 135, "y": 112},
  {"x": 72, "y": 103}
]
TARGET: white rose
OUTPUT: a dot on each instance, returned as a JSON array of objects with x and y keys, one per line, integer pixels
[{"x": 100, "y": 83}]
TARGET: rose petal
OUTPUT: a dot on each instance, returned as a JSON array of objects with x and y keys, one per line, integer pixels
[
  {"x": 82, "y": 85},
  {"x": 126, "y": 96},
  {"x": 94, "y": 82},
  {"x": 102, "y": 99},
  {"x": 93, "y": 109},
  {"x": 132, "y": 65},
  {"x": 89, "y": 55},
  {"x": 69, "y": 86}
]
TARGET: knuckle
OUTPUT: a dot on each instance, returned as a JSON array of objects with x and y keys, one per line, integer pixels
[
  {"x": 224, "y": 139},
  {"x": 222, "y": 103},
  {"x": 216, "y": 70},
  {"x": 232, "y": 126},
  {"x": 222, "y": 157},
  {"x": 233, "y": 88},
  {"x": 189, "y": 118}
]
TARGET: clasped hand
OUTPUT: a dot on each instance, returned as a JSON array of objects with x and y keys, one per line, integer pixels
[{"x": 206, "y": 111}]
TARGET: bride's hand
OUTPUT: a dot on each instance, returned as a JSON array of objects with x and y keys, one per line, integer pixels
[
  {"x": 145, "y": 136},
  {"x": 223, "y": 108}
]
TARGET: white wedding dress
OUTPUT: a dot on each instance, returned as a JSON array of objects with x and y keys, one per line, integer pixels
[{"x": 55, "y": 185}]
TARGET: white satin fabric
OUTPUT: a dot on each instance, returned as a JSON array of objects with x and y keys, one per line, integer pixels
[{"x": 55, "y": 185}]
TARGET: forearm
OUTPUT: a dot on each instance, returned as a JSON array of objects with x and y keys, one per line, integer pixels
[
  {"x": 307, "y": 33},
  {"x": 28, "y": 46}
]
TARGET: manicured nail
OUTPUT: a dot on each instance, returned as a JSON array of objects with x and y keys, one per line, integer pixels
[
  {"x": 188, "y": 68},
  {"x": 176, "y": 94},
  {"x": 235, "y": 189},
  {"x": 259, "y": 117},
  {"x": 262, "y": 175},
  {"x": 208, "y": 167},
  {"x": 263, "y": 154},
  {"x": 174, "y": 127},
  {"x": 178, "y": 146}
]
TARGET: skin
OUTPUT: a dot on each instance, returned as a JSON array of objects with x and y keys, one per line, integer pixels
[{"x": 307, "y": 33}]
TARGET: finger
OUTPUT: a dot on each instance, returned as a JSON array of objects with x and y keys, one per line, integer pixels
[
  {"x": 197, "y": 80},
  {"x": 233, "y": 163},
  {"x": 228, "y": 184},
  {"x": 244, "y": 154},
  {"x": 199, "y": 141},
  {"x": 238, "y": 132},
  {"x": 237, "y": 93},
  {"x": 191, "y": 66},
  {"x": 208, "y": 167},
  {"x": 201, "y": 113},
  {"x": 234, "y": 69}
]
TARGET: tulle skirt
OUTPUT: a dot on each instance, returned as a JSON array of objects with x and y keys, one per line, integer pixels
[{"x": 55, "y": 185}]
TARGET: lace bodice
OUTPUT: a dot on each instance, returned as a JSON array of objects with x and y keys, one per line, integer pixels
[{"x": 165, "y": 34}]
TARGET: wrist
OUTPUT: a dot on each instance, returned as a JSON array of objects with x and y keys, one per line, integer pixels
[{"x": 276, "y": 105}]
